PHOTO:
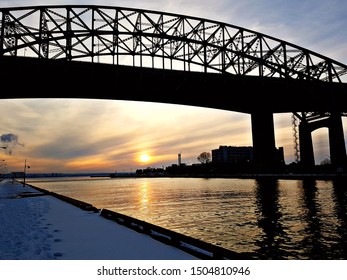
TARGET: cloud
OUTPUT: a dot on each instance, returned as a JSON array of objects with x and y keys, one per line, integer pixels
[
  {"x": 79, "y": 130},
  {"x": 74, "y": 133},
  {"x": 9, "y": 138},
  {"x": 9, "y": 142}
]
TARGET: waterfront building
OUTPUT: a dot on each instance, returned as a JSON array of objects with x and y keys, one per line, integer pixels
[
  {"x": 232, "y": 154},
  {"x": 239, "y": 154}
]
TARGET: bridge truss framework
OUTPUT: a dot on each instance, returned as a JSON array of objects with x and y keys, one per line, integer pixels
[
  {"x": 144, "y": 38},
  {"x": 156, "y": 39}
]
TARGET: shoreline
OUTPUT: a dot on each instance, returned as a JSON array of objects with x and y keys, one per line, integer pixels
[
  {"x": 278, "y": 176},
  {"x": 285, "y": 176}
]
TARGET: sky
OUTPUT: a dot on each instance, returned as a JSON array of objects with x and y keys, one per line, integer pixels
[{"x": 70, "y": 135}]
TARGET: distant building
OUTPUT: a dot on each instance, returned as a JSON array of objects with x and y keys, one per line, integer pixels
[
  {"x": 235, "y": 154},
  {"x": 232, "y": 154}
]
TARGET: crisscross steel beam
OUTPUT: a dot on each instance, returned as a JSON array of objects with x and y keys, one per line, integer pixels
[{"x": 144, "y": 38}]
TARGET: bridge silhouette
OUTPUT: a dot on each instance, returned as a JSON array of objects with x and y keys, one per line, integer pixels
[{"x": 105, "y": 52}]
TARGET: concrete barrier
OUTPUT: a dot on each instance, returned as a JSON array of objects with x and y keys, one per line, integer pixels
[{"x": 196, "y": 247}]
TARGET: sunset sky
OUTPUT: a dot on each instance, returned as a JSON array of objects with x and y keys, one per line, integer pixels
[{"x": 70, "y": 135}]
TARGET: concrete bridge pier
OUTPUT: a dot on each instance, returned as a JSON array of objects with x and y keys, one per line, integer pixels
[
  {"x": 263, "y": 137},
  {"x": 337, "y": 142},
  {"x": 306, "y": 145}
]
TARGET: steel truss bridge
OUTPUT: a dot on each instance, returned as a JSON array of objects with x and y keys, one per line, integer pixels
[{"x": 85, "y": 51}]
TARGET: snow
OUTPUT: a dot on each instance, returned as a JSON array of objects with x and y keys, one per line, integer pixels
[{"x": 35, "y": 226}]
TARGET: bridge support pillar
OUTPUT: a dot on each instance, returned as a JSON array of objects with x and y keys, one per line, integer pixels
[
  {"x": 337, "y": 146},
  {"x": 263, "y": 136},
  {"x": 337, "y": 142},
  {"x": 306, "y": 146}
]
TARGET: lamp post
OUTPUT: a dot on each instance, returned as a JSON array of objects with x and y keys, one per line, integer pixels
[{"x": 25, "y": 167}]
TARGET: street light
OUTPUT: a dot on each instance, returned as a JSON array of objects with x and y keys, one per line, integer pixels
[{"x": 25, "y": 167}]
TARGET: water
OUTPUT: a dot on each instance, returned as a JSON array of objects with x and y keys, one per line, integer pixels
[{"x": 272, "y": 219}]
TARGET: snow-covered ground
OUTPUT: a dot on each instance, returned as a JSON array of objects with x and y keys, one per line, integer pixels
[{"x": 42, "y": 227}]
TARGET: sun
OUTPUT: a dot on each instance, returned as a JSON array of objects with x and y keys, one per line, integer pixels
[{"x": 145, "y": 158}]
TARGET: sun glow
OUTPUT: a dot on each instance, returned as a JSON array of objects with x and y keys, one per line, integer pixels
[{"x": 145, "y": 158}]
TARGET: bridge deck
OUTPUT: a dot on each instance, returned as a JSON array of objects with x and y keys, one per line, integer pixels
[{"x": 39, "y": 78}]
